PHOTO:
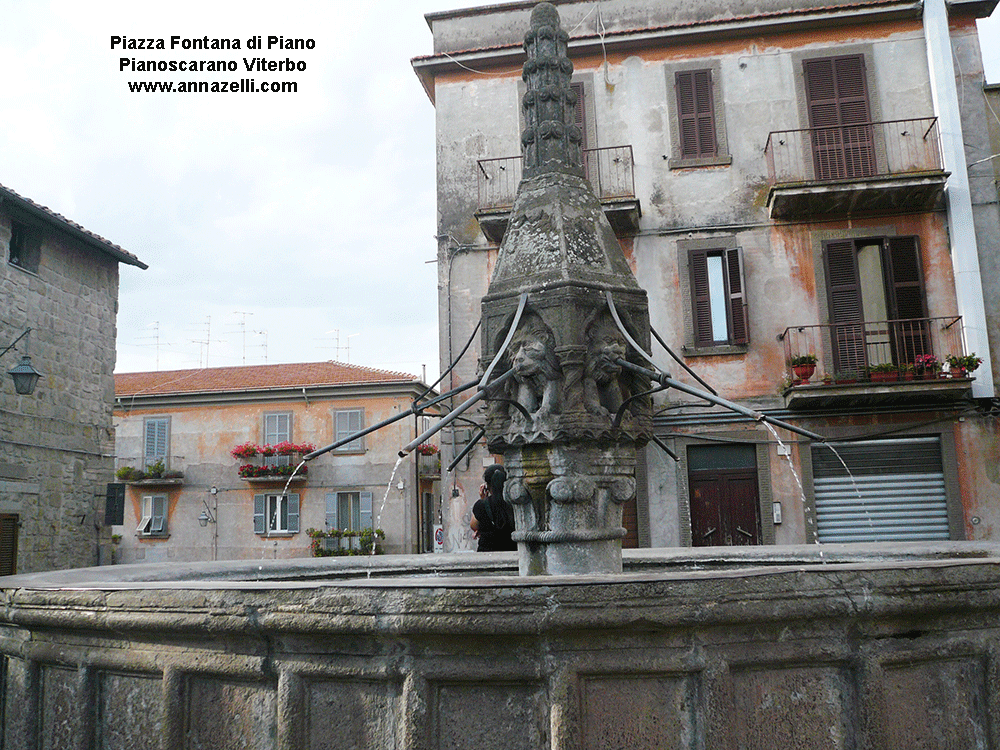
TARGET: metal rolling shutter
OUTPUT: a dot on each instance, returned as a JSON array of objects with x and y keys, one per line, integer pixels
[{"x": 897, "y": 492}]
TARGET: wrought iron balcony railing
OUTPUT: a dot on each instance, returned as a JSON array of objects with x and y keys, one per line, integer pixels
[
  {"x": 610, "y": 170},
  {"x": 850, "y": 152},
  {"x": 861, "y": 351}
]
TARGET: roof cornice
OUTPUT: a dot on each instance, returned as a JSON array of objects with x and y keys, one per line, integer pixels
[{"x": 283, "y": 394}]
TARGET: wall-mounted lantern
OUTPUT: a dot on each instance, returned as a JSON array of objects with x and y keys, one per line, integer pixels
[{"x": 24, "y": 375}]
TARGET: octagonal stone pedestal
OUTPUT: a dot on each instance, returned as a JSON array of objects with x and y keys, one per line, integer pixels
[{"x": 779, "y": 648}]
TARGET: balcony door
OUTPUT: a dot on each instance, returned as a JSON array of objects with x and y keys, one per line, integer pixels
[
  {"x": 876, "y": 301},
  {"x": 839, "y": 117}
]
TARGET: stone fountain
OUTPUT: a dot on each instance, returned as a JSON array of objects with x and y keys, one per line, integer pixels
[
  {"x": 840, "y": 647},
  {"x": 571, "y": 418}
]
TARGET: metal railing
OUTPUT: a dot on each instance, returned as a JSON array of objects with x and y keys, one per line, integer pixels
[
  {"x": 859, "y": 351},
  {"x": 850, "y": 152},
  {"x": 610, "y": 170}
]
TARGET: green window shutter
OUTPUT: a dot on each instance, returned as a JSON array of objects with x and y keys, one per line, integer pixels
[
  {"x": 366, "y": 511},
  {"x": 259, "y": 504},
  {"x": 293, "y": 514}
]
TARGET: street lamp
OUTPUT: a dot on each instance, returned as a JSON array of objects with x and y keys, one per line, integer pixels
[{"x": 24, "y": 375}]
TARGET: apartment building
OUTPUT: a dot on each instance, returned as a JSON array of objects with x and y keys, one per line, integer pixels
[
  {"x": 805, "y": 184},
  {"x": 204, "y": 458}
]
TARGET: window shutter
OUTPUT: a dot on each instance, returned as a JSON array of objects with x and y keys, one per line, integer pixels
[
  {"x": 739, "y": 331},
  {"x": 837, "y": 100},
  {"x": 366, "y": 510},
  {"x": 846, "y": 312},
  {"x": 909, "y": 302},
  {"x": 147, "y": 515},
  {"x": 696, "y": 113},
  {"x": 8, "y": 544},
  {"x": 700, "y": 296},
  {"x": 580, "y": 112},
  {"x": 258, "y": 514},
  {"x": 293, "y": 514},
  {"x": 114, "y": 504},
  {"x": 156, "y": 439},
  {"x": 907, "y": 281},
  {"x": 277, "y": 428},
  {"x": 331, "y": 510},
  {"x": 158, "y": 520}
]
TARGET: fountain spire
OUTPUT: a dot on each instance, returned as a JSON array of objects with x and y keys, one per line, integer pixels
[{"x": 560, "y": 311}]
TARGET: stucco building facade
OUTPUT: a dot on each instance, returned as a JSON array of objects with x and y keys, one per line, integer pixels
[
  {"x": 207, "y": 504},
  {"x": 791, "y": 182},
  {"x": 56, "y": 444}
]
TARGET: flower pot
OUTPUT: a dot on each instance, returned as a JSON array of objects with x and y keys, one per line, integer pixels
[{"x": 803, "y": 373}]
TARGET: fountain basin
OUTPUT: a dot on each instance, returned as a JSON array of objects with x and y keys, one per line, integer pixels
[{"x": 780, "y": 647}]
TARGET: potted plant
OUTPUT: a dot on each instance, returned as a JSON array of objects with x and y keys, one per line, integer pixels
[
  {"x": 883, "y": 372},
  {"x": 803, "y": 365},
  {"x": 845, "y": 378},
  {"x": 963, "y": 367},
  {"x": 244, "y": 451},
  {"x": 926, "y": 366},
  {"x": 907, "y": 372}
]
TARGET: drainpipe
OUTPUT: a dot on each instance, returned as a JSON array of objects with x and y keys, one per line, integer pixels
[{"x": 964, "y": 249}]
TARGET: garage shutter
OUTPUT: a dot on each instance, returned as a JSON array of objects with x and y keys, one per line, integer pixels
[{"x": 897, "y": 492}]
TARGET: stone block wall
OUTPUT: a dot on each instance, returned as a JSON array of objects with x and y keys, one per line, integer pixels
[{"x": 56, "y": 445}]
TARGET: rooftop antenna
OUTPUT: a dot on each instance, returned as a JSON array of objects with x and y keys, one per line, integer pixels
[{"x": 243, "y": 329}]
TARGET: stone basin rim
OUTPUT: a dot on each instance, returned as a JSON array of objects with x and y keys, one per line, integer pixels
[{"x": 499, "y": 570}]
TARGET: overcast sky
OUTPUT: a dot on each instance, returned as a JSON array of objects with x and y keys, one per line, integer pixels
[{"x": 271, "y": 223}]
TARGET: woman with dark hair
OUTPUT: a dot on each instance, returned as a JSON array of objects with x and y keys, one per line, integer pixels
[{"x": 492, "y": 515}]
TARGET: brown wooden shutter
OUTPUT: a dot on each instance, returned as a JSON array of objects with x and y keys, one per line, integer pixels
[
  {"x": 846, "y": 307},
  {"x": 696, "y": 113},
  {"x": 907, "y": 299},
  {"x": 906, "y": 282},
  {"x": 8, "y": 544},
  {"x": 738, "y": 325},
  {"x": 837, "y": 100},
  {"x": 701, "y": 300}
]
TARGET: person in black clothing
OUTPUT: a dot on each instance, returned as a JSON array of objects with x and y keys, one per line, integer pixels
[{"x": 492, "y": 515}]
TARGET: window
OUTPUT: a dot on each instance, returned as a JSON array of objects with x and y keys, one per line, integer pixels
[
  {"x": 719, "y": 307},
  {"x": 696, "y": 113},
  {"x": 276, "y": 514},
  {"x": 156, "y": 440},
  {"x": 349, "y": 511},
  {"x": 25, "y": 247},
  {"x": 840, "y": 118},
  {"x": 154, "y": 516},
  {"x": 277, "y": 429},
  {"x": 870, "y": 283},
  {"x": 348, "y": 422}
]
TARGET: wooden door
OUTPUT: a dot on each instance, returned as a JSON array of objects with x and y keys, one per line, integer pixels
[{"x": 725, "y": 508}]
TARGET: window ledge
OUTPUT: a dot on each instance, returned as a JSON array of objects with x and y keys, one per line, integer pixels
[
  {"x": 28, "y": 271},
  {"x": 722, "y": 160},
  {"x": 278, "y": 535},
  {"x": 714, "y": 351},
  {"x": 141, "y": 537}
]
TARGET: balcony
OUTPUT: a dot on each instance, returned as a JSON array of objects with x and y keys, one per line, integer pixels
[
  {"x": 875, "y": 362},
  {"x": 610, "y": 171},
  {"x": 872, "y": 168}
]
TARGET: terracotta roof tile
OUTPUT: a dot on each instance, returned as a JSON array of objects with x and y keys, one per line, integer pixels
[
  {"x": 95, "y": 240},
  {"x": 252, "y": 377}
]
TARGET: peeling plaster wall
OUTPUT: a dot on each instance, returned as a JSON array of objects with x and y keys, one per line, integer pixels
[{"x": 761, "y": 90}]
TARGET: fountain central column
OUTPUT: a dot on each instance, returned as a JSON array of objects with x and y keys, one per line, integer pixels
[{"x": 569, "y": 420}]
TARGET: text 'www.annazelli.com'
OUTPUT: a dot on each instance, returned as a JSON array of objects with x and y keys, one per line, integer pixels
[{"x": 242, "y": 86}]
